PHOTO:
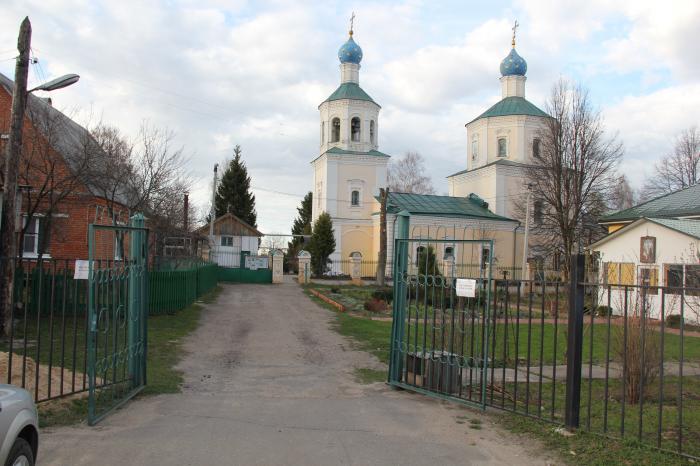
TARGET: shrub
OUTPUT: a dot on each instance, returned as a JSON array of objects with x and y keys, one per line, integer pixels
[
  {"x": 385, "y": 294},
  {"x": 375, "y": 305},
  {"x": 641, "y": 355},
  {"x": 674, "y": 321},
  {"x": 335, "y": 289},
  {"x": 604, "y": 311}
]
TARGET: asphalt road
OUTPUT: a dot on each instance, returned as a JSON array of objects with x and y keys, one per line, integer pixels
[{"x": 268, "y": 382}]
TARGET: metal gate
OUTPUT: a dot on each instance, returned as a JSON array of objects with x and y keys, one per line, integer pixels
[
  {"x": 441, "y": 317},
  {"x": 117, "y": 301}
]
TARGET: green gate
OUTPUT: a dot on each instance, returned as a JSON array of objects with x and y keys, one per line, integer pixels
[
  {"x": 117, "y": 301},
  {"x": 442, "y": 322}
]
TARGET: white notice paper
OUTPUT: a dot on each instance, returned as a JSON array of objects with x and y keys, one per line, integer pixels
[
  {"x": 466, "y": 287},
  {"x": 82, "y": 270}
]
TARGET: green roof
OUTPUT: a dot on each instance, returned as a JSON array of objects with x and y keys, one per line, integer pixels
[
  {"x": 471, "y": 206},
  {"x": 505, "y": 162},
  {"x": 350, "y": 91},
  {"x": 683, "y": 203},
  {"x": 684, "y": 225},
  {"x": 512, "y": 106}
]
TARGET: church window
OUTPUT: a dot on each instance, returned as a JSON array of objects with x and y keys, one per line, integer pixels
[
  {"x": 539, "y": 213},
  {"x": 485, "y": 258},
  {"x": 419, "y": 252},
  {"x": 536, "y": 148},
  {"x": 335, "y": 129},
  {"x": 449, "y": 252},
  {"x": 371, "y": 132},
  {"x": 355, "y": 129},
  {"x": 502, "y": 147},
  {"x": 355, "y": 198},
  {"x": 323, "y": 132},
  {"x": 475, "y": 149}
]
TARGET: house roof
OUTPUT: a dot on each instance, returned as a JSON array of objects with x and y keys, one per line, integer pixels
[
  {"x": 350, "y": 91},
  {"x": 471, "y": 206},
  {"x": 513, "y": 105},
  {"x": 682, "y": 203},
  {"x": 505, "y": 162},
  {"x": 67, "y": 137},
  {"x": 686, "y": 226},
  {"x": 229, "y": 216}
]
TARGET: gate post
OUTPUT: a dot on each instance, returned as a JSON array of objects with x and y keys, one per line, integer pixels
[
  {"x": 399, "y": 310},
  {"x": 138, "y": 307},
  {"x": 574, "y": 354},
  {"x": 277, "y": 270},
  {"x": 304, "y": 259}
]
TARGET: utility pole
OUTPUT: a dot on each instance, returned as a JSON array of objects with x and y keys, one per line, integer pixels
[
  {"x": 527, "y": 233},
  {"x": 212, "y": 213},
  {"x": 8, "y": 228},
  {"x": 381, "y": 262}
]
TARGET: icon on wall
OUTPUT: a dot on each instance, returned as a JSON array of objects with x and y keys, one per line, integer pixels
[{"x": 647, "y": 249}]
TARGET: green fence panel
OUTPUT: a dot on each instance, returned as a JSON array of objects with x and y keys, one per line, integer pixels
[
  {"x": 173, "y": 290},
  {"x": 241, "y": 275}
]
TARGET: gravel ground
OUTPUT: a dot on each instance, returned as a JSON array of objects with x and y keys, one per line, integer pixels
[{"x": 267, "y": 382}]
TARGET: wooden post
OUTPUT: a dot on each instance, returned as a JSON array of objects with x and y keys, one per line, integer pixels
[{"x": 8, "y": 226}]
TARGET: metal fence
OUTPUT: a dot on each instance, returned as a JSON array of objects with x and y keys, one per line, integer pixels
[
  {"x": 45, "y": 349},
  {"x": 620, "y": 361}
]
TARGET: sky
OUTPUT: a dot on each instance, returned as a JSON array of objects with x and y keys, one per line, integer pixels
[{"x": 224, "y": 72}]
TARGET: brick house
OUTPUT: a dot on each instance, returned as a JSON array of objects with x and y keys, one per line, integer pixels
[{"x": 58, "y": 201}]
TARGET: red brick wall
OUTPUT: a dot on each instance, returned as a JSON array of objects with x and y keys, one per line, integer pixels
[{"x": 69, "y": 224}]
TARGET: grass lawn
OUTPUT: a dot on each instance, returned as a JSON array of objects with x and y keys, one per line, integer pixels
[
  {"x": 581, "y": 448},
  {"x": 165, "y": 335}
]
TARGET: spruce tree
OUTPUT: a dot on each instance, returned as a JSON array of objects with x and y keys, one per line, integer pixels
[
  {"x": 233, "y": 194},
  {"x": 301, "y": 226},
  {"x": 322, "y": 243}
]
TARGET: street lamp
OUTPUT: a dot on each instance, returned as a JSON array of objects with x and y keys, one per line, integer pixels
[{"x": 8, "y": 234}]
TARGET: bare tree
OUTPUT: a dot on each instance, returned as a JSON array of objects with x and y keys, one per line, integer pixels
[
  {"x": 623, "y": 195},
  {"x": 679, "y": 169},
  {"x": 52, "y": 167},
  {"x": 145, "y": 175},
  {"x": 575, "y": 170},
  {"x": 407, "y": 175}
]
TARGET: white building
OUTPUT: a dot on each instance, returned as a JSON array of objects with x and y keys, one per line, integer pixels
[
  {"x": 350, "y": 169},
  {"x": 501, "y": 142}
]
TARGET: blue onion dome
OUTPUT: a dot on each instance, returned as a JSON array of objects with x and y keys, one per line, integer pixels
[
  {"x": 513, "y": 64},
  {"x": 350, "y": 52}
]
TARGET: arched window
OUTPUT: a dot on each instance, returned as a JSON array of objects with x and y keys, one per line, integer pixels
[
  {"x": 355, "y": 198},
  {"x": 502, "y": 147},
  {"x": 419, "y": 252},
  {"x": 475, "y": 148},
  {"x": 536, "y": 148},
  {"x": 323, "y": 132},
  {"x": 335, "y": 130},
  {"x": 449, "y": 252},
  {"x": 371, "y": 132},
  {"x": 355, "y": 130}
]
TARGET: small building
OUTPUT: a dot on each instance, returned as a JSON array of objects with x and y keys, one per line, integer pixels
[
  {"x": 458, "y": 218},
  {"x": 233, "y": 240},
  {"x": 657, "y": 258}
]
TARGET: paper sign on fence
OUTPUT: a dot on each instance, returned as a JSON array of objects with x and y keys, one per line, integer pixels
[
  {"x": 82, "y": 270},
  {"x": 466, "y": 287}
]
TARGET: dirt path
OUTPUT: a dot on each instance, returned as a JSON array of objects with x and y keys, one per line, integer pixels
[{"x": 268, "y": 382}]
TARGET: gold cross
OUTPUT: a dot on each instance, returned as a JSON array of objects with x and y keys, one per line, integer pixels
[
  {"x": 515, "y": 27},
  {"x": 352, "y": 21}
]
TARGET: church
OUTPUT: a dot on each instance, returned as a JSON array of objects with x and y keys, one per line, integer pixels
[{"x": 350, "y": 170}]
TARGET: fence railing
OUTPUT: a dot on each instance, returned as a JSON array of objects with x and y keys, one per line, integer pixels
[
  {"x": 620, "y": 361},
  {"x": 45, "y": 346}
]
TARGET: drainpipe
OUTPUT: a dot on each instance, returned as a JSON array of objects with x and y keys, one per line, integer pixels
[{"x": 515, "y": 242}]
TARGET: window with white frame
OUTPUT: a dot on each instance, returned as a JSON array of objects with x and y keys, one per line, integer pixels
[
  {"x": 371, "y": 132},
  {"x": 118, "y": 245},
  {"x": 682, "y": 279},
  {"x": 449, "y": 253},
  {"x": 30, "y": 243},
  {"x": 227, "y": 241},
  {"x": 355, "y": 198},
  {"x": 335, "y": 130},
  {"x": 475, "y": 148}
]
